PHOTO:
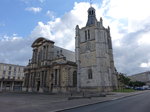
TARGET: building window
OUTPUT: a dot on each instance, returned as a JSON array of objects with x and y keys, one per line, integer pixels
[
  {"x": 74, "y": 78},
  {"x": 9, "y": 73},
  {"x": 4, "y": 72},
  {"x": 14, "y": 69},
  {"x": 55, "y": 76},
  {"x": 19, "y": 69},
  {"x": 88, "y": 34},
  {"x": 9, "y": 67},
  {"x": 90, "y": 74},
  {"x": 85, "y": 35},
  {"x": 4, "y": 67},
  {"x": 14, "y": 73},
  {"x": 44, "y": 52}
]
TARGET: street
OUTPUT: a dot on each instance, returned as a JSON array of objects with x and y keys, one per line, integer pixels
[{"x": 137, "y": 103}]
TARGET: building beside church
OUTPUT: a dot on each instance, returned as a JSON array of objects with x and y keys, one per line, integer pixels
[
  {"x": 11, "y": 77},
  {"x": 90, "y": 68},
  {"x": 51, "y": 69},
  {"x": 143, "y": 77},
  {"x": 94, "y": 56}
]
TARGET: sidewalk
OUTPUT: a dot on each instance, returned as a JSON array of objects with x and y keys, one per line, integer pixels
[
  {"x": 68, "y": 104},
  {"x": 33, "y": 102}
]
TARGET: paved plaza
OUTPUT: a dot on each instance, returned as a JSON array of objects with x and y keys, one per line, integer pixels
[
  {"x": 19, "y": 102},
  {"x": 30, "y": 102}
]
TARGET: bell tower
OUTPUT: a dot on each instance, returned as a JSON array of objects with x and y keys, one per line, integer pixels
[
  {"x": 91, "y": 17},
  {"x": 94, "y": 57}
]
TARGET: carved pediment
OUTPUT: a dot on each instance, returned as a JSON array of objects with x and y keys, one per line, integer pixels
[{"x": 40, "y": 41}]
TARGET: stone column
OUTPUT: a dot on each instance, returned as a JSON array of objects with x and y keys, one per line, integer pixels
[
  {"x": 41, "y": 82},
  {"x": 33, "y": 56},
  {"x": 33, "y": 80},
  {"x": 46, "y": 52},
  {"x": 29, "y": 88},
  {"x": 98, "y": 57},
  {"x": 58, "y": 77},
  {"x": 1, "y": 88},
  {"x": 55, "y": 77},
  {"x": 77, "y": 56},
  {"x": 44, "y": 78},
  {"x": 53, "y": 80},
  {"x": 28, "y": 79},
  {"x": 25, "y": 84},
  {"x": 12, "y": 86}
]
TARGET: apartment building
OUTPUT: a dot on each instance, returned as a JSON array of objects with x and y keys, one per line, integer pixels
[{"x": 11, "y": 77}]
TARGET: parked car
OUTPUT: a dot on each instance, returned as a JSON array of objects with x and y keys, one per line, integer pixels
[
  {"x": 138, "y": 88},
  {"x": 145, "y": 87}
]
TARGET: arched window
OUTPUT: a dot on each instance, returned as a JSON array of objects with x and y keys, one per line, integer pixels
[
  {"x": 75, "y": 78},
  {"x": 85, "y": 35},
  {"x": 92, "y": 12},
  {"x": 90, "y": 74},
  {"x": 55, "y": 77},
  {"x": 88, "y": 34}
]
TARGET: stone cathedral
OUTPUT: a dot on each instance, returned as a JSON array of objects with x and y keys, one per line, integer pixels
[{"x": 90, "y": 68}]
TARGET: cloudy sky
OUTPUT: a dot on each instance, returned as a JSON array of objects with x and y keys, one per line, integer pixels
[{"x": 22, "y": 21}]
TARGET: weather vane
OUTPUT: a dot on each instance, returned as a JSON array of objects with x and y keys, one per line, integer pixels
[{"x": 91, "y": 2}]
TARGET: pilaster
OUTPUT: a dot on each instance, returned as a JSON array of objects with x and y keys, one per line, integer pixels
[
  {"x": 12, "y": 86},
  {"x": 98, "y": 57},
  {"x": 77, "y": 56},
  {"x": 1, "y": 87}
]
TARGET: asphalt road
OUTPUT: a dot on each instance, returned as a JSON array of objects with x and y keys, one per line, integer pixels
[{"x": 138, "y": 103}]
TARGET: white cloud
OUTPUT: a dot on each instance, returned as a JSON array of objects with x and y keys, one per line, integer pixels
[
  {"x": 129, "y": 24},
  {"x": 62, "y": 30},
  {"x": 34, "y": 9},
  {"x": 144, "y": 39},
  {"x": 134, "y": 11},
  {"x": 50, "y": 14},
  {"x": 145, "y": 65},
  {"x": 129, "y": 42},
  {"x": 15, "y": 49}
]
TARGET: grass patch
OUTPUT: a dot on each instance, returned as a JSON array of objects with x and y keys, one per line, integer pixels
[{"x": 124, "y": 90}]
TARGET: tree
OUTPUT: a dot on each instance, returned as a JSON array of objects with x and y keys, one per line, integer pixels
[
  {"x": 136, "y": 83},
  {"x": 123, "y": 79}
]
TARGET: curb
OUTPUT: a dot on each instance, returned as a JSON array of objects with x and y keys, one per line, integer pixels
[{"x": 59, "y": 110}]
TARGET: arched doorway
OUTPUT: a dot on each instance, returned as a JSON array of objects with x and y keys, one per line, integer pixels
[{"x": 38, "y": 86}]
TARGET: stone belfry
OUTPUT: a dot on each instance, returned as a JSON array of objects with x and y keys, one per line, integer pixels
[{"x": 94, "y": 56}]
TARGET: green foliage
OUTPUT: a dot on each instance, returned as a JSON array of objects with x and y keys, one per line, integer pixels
[
  {"x": 136, "y": 84},
  {"x": 123, "y": 79},
  {"x": 127, "y": 81},
  {"x": 124, "y": 90}
]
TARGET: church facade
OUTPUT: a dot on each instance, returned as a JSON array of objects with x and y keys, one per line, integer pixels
[
  {"x": 51, "y": 69},
  {"x": 90, "y": 68}
]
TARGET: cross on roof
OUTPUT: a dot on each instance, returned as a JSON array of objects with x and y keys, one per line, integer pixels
[{"x": 91, "y": 2}]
